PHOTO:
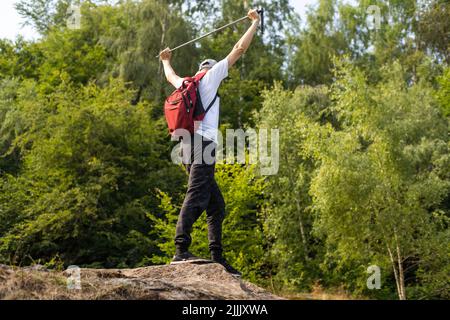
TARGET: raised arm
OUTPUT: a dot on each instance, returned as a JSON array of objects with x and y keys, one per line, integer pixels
[
  {"x": 171, "y": 76},
  {"x": 241, "y": 47}
]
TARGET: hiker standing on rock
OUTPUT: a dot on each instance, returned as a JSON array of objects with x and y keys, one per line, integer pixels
[{"x": 203, "y": 192}]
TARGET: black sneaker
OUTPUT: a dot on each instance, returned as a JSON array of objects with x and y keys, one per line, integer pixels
[
  {"x": 227, "y": 266},
  {"x": 187, "y": 257}
]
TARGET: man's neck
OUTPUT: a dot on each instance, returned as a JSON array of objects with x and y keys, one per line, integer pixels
[{"x": 202, "y": 71}]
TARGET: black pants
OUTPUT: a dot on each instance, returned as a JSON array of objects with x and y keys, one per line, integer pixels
[{"x": 202, "y": 194}]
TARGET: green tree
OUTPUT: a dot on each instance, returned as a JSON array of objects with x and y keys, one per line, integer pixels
[
  {"x": 91, "y": 163},
  {"x": 19, "y": 59},
  {"x": 43, "y": 15},
  {"x": 443, "y": 94},
  {"x": 433, "y": 28},
  {"x": 135, "y": 34},
  {"x": 75, "y": 55},
  {"x": 362, "y": 181},
  {"x": 288, "y": 216},
  {"x": 313, "y": 46},
  {"x": 382, "y": 182}
]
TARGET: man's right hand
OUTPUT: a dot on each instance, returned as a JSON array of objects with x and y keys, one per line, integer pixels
[
  {"x": 165, "y": 55},
  {"x": 254, "y": 15}
]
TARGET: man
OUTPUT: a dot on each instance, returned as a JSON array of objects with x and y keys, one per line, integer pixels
[{"x": 203, "y": 192}]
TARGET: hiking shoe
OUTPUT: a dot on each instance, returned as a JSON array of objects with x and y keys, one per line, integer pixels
[
  {"x": 227, "y": 266},
  {"x": 187, "y": 257}
]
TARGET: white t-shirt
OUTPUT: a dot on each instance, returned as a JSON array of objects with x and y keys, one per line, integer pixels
[{"x": 209, "y": 85}]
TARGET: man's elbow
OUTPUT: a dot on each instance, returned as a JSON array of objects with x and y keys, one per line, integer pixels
[
  {"x": 234, "y": 56},
  {"x": 239, "y": 50}
]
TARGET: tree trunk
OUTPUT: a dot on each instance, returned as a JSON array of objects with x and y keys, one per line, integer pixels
[
  {"x": 162, "y": 44},
  {"x": 398, "y": 274},
  {"x": 302, "y": 229},
  {"x": 402, "y": 295}
]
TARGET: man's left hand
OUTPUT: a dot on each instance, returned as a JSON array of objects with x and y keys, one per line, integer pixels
[{"x": 165, "y": 55}]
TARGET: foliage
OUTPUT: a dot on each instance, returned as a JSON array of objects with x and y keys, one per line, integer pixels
[
  {"x": 443, "y": 94},
  {"x": 362, "y": 111},
  {"x": 89, "y": 162},
  {"x": 371, "y": 177}
]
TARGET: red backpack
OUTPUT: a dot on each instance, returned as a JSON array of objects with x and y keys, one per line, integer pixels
[{"x": 184, "y": 106}]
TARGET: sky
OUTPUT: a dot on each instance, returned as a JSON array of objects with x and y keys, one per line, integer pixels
[
  {"x": 302, "y": 5},
  {"x": 11, "y": 22}
]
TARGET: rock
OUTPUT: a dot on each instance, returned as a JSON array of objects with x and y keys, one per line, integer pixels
[
  {"x": 168, "y": 282},
  {"x": 36, "y": 267}
]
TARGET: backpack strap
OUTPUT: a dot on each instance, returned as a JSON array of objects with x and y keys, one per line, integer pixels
[
  {"x": 197, "y": 79},
  {"x": 212, "y": 103}
]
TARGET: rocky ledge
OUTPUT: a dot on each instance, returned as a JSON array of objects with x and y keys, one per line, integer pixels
[{"x": 168, "y": 282}]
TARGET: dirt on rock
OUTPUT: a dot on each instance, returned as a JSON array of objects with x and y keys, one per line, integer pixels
[{"x": 168, "y": 282}]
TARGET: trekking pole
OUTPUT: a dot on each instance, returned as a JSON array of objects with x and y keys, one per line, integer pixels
[{"x": 260, "y": 12}]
